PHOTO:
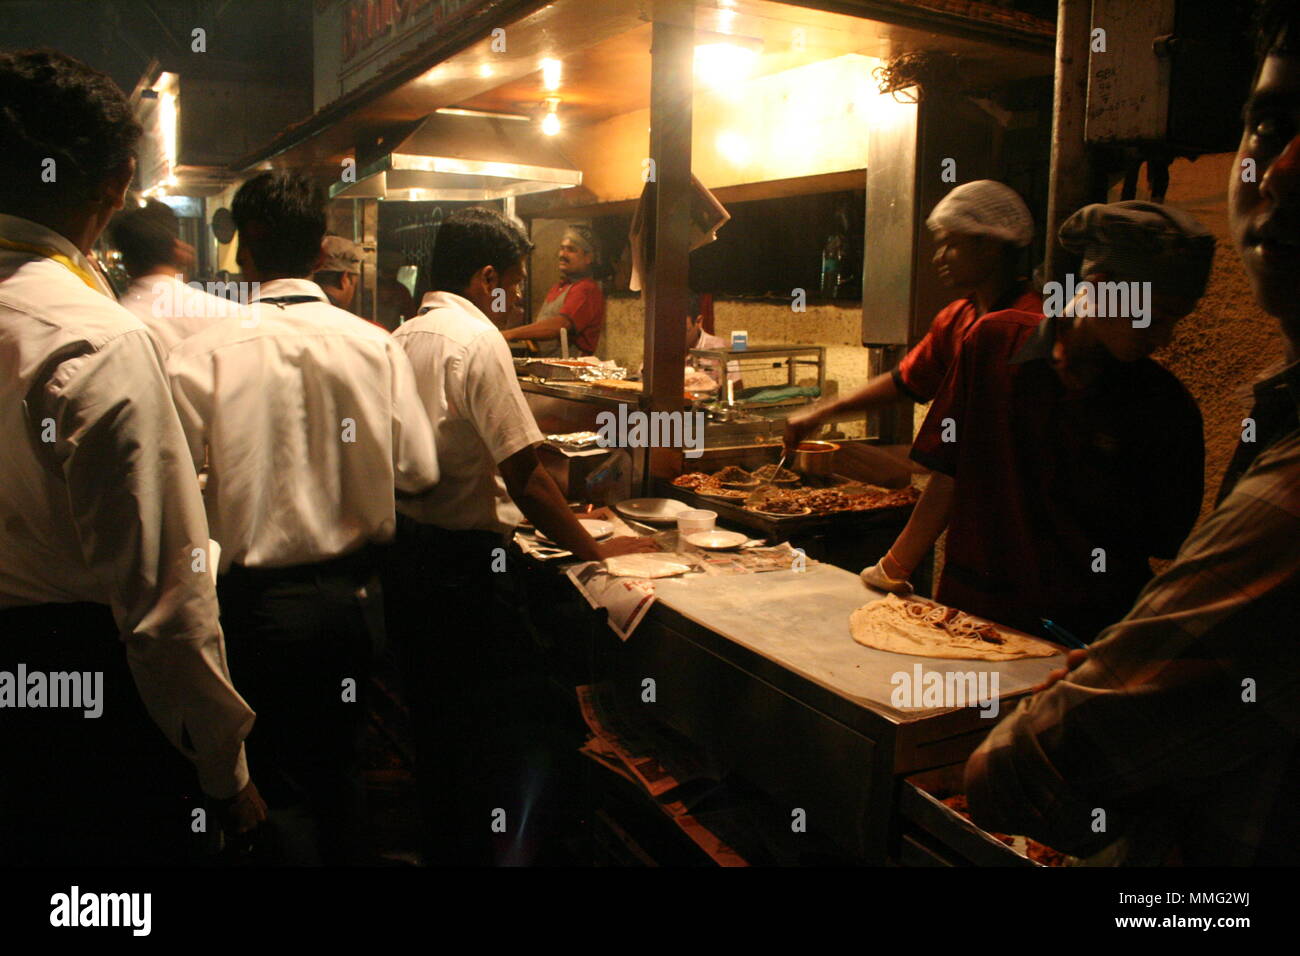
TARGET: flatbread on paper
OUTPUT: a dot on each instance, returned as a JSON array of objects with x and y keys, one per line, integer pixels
[
  {"x": 933, "y": 630},
  {"x": 648, "y": 565}
]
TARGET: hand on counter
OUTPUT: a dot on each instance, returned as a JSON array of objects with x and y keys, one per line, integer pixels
[
  {"x": 881, "y": 580},
  {"x": 1072, "y": 660}
]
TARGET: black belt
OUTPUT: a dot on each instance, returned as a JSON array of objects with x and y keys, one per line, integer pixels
[{"x": 355, "y": 563}]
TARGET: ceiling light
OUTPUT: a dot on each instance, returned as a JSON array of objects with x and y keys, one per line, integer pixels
[
  {"x": 551, "y": 121},
  {"x": 551, "y": 69}
]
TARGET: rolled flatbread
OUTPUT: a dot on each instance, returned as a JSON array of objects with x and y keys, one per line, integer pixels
[{"x": 925, "y": 629}]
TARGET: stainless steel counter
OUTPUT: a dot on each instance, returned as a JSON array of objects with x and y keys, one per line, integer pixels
[{"x": 800, "y": 620}]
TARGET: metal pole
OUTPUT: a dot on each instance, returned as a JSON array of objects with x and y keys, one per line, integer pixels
[{"x": 1069, "y": 180}]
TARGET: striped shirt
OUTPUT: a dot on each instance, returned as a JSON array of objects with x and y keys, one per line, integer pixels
[{"x": 1178, "y": 739}]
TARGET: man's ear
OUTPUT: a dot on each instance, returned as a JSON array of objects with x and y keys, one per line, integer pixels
[
  {"x": 112, "y": 191},
  {"x": 484, "y": 279},
  {"x": 183, "y": 253}
]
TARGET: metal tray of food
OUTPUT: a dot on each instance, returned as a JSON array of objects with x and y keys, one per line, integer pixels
[
  {"x": 563, "y": 370},
  {"x": 733, "y": 508},
  {"x": 921, "y": 802}
]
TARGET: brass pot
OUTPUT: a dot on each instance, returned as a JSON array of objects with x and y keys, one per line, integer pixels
[{"x": 815, "y": 457}]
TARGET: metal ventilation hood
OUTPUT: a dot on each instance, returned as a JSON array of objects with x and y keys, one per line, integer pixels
[{"x": 449, "y": 156}]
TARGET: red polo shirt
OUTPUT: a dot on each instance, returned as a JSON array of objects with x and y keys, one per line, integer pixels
[
  {"x": 921, "y": 371},
  {"x": 1045, "y": 475},
  {"x": 585, "y": 308}
]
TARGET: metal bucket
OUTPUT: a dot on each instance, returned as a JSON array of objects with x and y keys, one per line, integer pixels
[{"x": 815, "y": 457}]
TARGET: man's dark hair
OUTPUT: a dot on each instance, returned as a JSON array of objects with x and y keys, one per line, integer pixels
[
  {"x": 281, "y": 221},
  {"x": 1277, "y": 29},
  {"x": 53, "y": 107},
  {"x": 146, "y": 236},
  {"x": 329, "y": 280},
  {"x": 692, "y": 304},
  {"x": 473, "y": 238}
]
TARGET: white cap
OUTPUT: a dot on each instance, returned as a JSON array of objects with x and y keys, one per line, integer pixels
[{"x": 984, "y": 208}]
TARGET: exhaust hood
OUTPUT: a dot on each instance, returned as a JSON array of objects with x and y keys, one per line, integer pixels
[{"x": 454, "y": 156}]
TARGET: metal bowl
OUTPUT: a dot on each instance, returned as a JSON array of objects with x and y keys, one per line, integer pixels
[{"x": 815, "y": 457}]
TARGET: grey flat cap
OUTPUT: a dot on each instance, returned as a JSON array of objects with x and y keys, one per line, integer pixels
[{"x": 1142, "y": 241}]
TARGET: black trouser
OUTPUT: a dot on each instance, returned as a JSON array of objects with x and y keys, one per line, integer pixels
[
  {"x": 104, "y": 791},
  {"x": 300, "y": 642},
  {"x": 438, "y": 590}
]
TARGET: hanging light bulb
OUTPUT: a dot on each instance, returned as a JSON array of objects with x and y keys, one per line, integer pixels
[{"x": 551, "y": 121}]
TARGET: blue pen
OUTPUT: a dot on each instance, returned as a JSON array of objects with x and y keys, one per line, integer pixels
[{"x": 1061, "y": 634}]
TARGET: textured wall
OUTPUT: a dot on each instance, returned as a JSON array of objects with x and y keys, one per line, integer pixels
[{"x": 1228, "y": 340}]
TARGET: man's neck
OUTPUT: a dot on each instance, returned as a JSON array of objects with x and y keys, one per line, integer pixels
[
  {"x": 573, "y": 276},
  {"x": 1077, "y": 358},
  {"x": 164, "y": 271},
  {"x": 988, "y": 293},
  {"x": 81, "y": 228}
]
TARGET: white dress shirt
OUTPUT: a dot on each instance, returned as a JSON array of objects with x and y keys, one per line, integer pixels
[
  {"x": 172, "y": 310},
  {"x": 309, "y": 419},
  {"x": 98, "y": 498},
  {"x": 480, "y": 417}
]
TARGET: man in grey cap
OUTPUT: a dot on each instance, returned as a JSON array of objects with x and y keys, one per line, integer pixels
[
  {"x": 1063, "y": 457},
  {"x": 340, "y": 271},
  {"x": 1181, "y": 722}
]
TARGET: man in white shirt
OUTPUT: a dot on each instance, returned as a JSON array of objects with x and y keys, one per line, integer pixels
[
  {"x": 310, "y": 422},
  {"x": 156, "y": 259},
  {"x": 102, "y": 533},
  {"x": 697, "y": 338},
  {"x": 440, "y": 581}
]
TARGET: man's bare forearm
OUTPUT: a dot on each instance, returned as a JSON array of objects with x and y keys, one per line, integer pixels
[
  {"x": 537, "y": 331},
  {"x": 881, "y": 390},
  {"x": 539, "y": 498},
  {"x": 929, "y": 518}
]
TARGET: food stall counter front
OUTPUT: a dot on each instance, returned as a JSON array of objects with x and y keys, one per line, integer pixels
[{"x": 761, "y": 673}]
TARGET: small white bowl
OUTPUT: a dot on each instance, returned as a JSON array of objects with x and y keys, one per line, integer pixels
[{"x": 696, "y": 519}]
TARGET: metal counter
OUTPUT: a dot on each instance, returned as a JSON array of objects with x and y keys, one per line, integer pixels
[{"x": 761, "y": 673}]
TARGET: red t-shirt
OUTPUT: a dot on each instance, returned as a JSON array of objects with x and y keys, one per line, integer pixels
[
  {"x": 922, "y": 369},
  {"x": 585, "y": 308},
  {"x": 1045, "y": 475}
]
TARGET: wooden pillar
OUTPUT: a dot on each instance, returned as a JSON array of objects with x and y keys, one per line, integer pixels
[
  {"x": 672, "y": 62},
  {"x": 1070, "y": 182}
]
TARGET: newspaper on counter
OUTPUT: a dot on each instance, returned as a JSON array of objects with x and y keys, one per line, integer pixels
[
  {"x": 779, "y": 557},
  {"x": 625, "y": 599}
]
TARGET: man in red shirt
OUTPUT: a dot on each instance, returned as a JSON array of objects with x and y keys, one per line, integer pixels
[
  {"x": 979, "y": 231},
  {"x": 575, "y": 303},
  {"x": 1064, "y": 458}
]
